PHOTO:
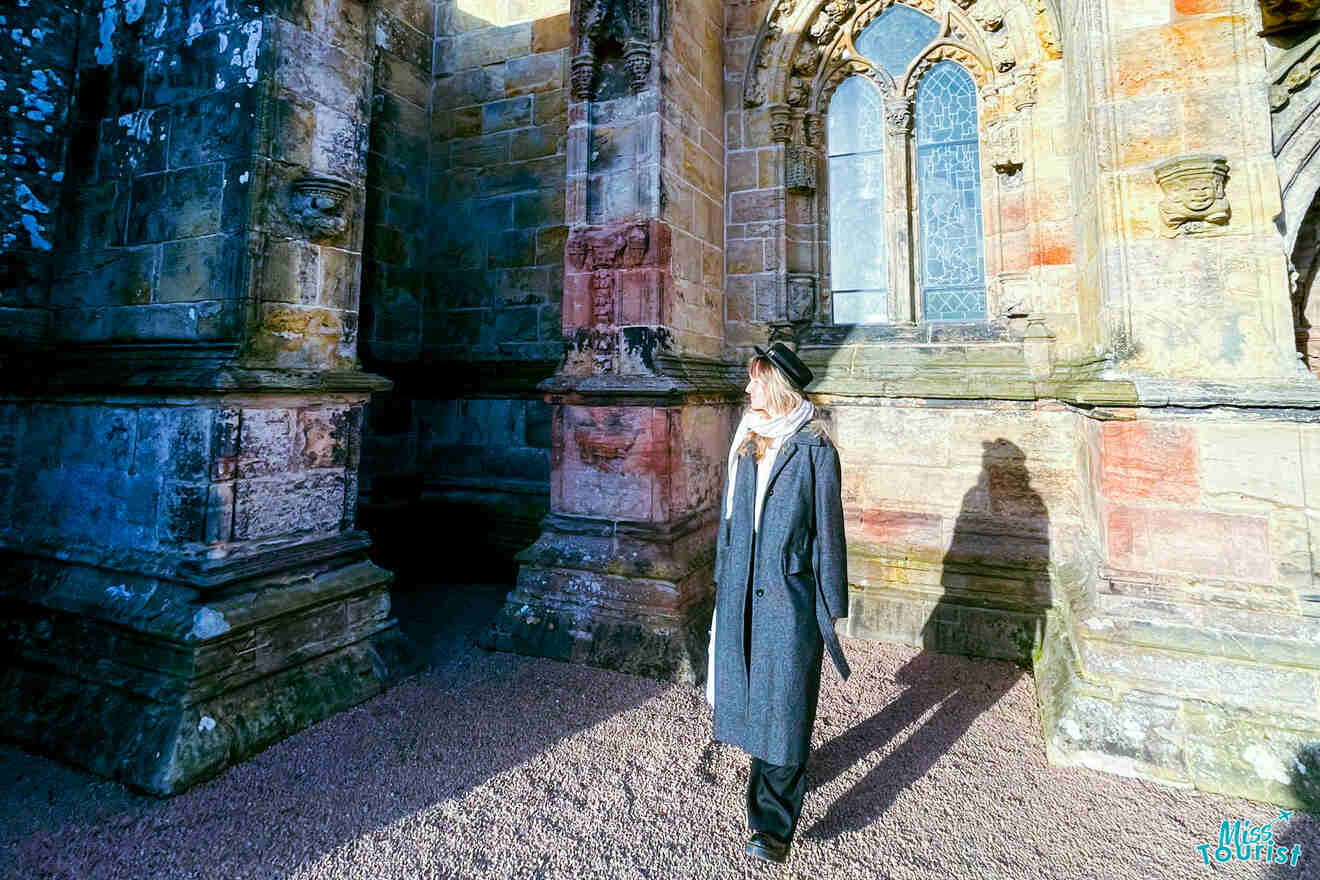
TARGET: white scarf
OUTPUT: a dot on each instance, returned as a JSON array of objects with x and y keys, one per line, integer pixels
[{"x": 776, "y": 428}]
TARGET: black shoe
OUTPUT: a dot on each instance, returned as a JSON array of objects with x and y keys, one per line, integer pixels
[{"x": 765, "y": 845}]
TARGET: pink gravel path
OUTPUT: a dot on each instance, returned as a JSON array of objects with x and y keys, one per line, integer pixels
[{"x": 496, "y": 766}]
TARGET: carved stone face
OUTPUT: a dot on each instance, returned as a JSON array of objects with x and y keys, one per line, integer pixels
[{"x": 1197, "y": 194}]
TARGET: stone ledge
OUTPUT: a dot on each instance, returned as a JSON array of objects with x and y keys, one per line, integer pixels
[
  {"x": 943, "y": 625},
  {"x": 145, "y": 701}
]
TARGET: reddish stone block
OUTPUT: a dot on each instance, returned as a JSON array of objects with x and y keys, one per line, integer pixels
[
  {"x": 1054, "y": 245},
  {"x": 1141, "y": 460},
  {"x": 641, "y": 293},
  {"x": 577, "y": 301},
  {"x": 1195, "y": 542},
  {"x": 899, "y": 528}
]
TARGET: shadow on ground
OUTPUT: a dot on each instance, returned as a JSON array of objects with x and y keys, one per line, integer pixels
[
  {"x": 467, "y": 717},
  {"x": 930, "y": 682}
]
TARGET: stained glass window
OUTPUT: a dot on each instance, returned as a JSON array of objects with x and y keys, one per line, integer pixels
[
  {"x": 895, "y": 38},
  {"x": 949, "y": 196},
  {"x": 856, "y": 135}
]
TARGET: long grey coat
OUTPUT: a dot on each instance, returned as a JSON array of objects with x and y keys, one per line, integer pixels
[{"x": 788, "y": 582}]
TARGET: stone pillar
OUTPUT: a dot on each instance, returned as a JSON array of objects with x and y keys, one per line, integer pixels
[
  {"x": 181, "y": 582},
  {"x": 621, "y": 574}
]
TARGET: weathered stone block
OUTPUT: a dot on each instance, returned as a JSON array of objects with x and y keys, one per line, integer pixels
[
  {"x": 1218, "y": 545},
  {"x": 197, "y": 269},
  {"x": 1144, "y": 460},
  {"x": 213, "y": 127},
  {"x": 176, "y": 204},
  {"x": 1251, "y": 466},
  {"x": 534, "y": 73},
  {"x": 174, "y": 442},
  {"x": 493, "y": 44},
  {"x": 266, "y": 443},
  {"x": 265, "y": 508},
  {"x": 291, "y": 273}
]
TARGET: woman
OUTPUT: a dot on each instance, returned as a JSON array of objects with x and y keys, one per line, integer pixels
[{"x": 781, "y": 581}]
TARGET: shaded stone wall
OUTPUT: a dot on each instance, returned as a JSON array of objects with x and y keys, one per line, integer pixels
[
  {"x": 465, "y": 269},
  {"x": 183, "y": 583},
  {"x": 37, "y": 63},
  {"x": 160, "y": 176}
]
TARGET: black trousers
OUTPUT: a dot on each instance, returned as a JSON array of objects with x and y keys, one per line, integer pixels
[{"x": 774, "y": 797}]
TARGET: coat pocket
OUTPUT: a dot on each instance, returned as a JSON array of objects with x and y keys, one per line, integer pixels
[{"x": 798, "y": 562}]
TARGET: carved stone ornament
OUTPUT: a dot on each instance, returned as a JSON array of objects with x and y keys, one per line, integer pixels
[
  {"x": 830, "y": 18},
  {"x": 1004, "y": 146},
  {"x": 1194, "y": 202},
  {"x": 800, "y": 169},
  {"x": 1277, "y": 16},
  {"x": 797, "y": 92},
  {"x": 597, "y": 23},
  {"x": 594, "y": 250},
  {"x": 781, "y": 123},
  {"x": 637, "y": 58},
  {"x": 815, "y": 124},
  {"x": 898, "y": 115},
  {"x": 989, "y": 14},
  {"x": 1024, "y": 89},
  {"x": 1296, "y": 69},
  {"x": 319, "y": 205},
  {"x": 801, "y": 297}
]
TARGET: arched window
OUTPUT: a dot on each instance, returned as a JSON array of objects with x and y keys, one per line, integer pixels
[
  {"x": 887, "y": 265},
  {"x": 857, "y": 196}
]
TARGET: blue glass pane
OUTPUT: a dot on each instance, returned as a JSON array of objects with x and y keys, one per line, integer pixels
[
  {"x": 949, "y": 196},
  {"x": 856, "y": 118},
  {"x": 896, "y": 37},
  {"x": 861, "y": 306},
  {"x": 857, "y": 210}
]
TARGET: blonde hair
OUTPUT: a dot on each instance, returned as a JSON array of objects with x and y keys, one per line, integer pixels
[{"x": 780, "y": 396}]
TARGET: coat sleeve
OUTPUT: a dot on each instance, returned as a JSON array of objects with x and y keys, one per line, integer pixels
[{"x": 831, "y": 555}]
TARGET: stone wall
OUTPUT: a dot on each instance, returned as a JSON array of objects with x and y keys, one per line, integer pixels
[
  {"x": 960, "y": 518},
  {"x": 465, "y": 271},
  {"x": 692, "y": 176},
  {"x": 37, "y": 67},
  {"x": 160, "y": 175},
  {"x": 1150, "y": 84}
]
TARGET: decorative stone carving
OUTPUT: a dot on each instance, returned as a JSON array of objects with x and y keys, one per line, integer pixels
[
  {"x": 898, "y": 115},
  {"x": 830, "y": 18},
  {"x": 800, "y": 169},
  {"x": 1001, "y": 53},
  {"x": 1024, "y": 89},
  {"x": 807, "y": 60},
  {"x": 1278, "y": 16},
  {"x": 989, "y": 14},
  {"x": 637, "y": 58},
  {"x": 635, "y": 250},
  {"x": 583, "y": 69},
  {"x": 319, "y": 204},
  {"x": 1004, "y": 146},
  {"x": 815, "y": 125},
  {"x": 797, "y": 92},
  {"x": 600, "y": 22},
  {"x": 781, "y": 123},
  {"x": 754, "y": 94},
  {"x": 1194, "y": 202},
  {"x": 801, "y": 297},
  {"x": 1295, "y": 70},
  {"x": 602, "y": 297}
]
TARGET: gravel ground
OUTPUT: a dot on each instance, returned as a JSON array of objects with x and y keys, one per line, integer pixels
[{"x": 498, "y": 766}]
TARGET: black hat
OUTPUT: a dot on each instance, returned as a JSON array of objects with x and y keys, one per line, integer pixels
[{"x": 797, "y": 373}]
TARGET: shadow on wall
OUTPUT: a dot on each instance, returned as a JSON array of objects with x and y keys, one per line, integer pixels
[{"x": 998, "y": 558}]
